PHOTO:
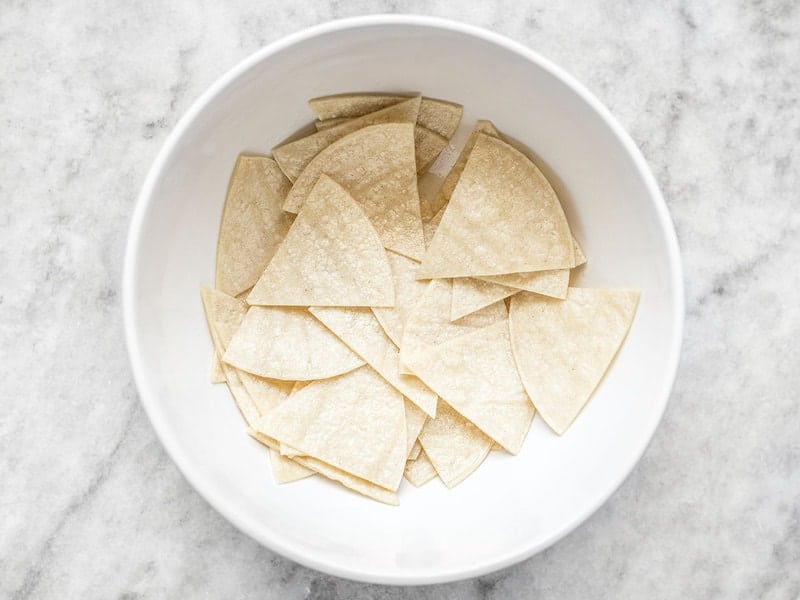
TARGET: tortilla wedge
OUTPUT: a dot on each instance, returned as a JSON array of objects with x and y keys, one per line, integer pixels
[
  {"x": 439, "y": 116},
  {"x": 563, "y": 348},
  {"x": 454, "y": 446},
  {"x": 500, "y": 196},
  {"x": 331, "y": 256},
  {"x": 295, "y": 156},
  {"x": 360, "y": 330},
  {"x": 252, "y": 224},
  {"x": 470, "y": 294},
  {"x": 288, "y": 344},
  {"x": 377, "y": 166},
  {"x": 488, "y": 391},
  {"x": 419, "y": 471},
  {"x": 429, "y": 323},
  {"x": 354, "y": 422}
]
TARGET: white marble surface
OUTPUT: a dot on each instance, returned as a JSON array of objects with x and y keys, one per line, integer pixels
[{"x": 91, "y": 506}]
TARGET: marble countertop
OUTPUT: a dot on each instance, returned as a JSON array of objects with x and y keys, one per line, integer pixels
[{"x": 91, "y": 505}]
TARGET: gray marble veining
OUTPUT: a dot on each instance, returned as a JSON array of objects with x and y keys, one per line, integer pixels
[{"x": 90, "y": 505}]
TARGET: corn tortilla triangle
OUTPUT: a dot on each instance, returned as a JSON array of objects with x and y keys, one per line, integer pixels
[
  {"x": 564, "y": 347},
  {"x": 428, "y": 145},
  {"x": 295, "y": 156},
  {"x": 331, "y": 256},
  {"x": 407, "y": 291},
  {"x": 224, "y": 314},
  {"x": 429, "y": 323},
  {"x": 419, "y": 471},
  {"x": 470, "y": 294},
  {"x": 439, "y": 116},
  {"x": 376, "y": 165},
  {"x": 449, "y": 183},
  {"x": 476, "y": 375},
  {"x": 286, "y": 470},
  {"x": 253, "y": 223},
  {"x": 454, "y": 446},
  {"x": 360, "y": 330},
  {"x": 289, "y": 344},
  {"x": 354, "y": 422},
  {"x": 500, "y": 197},
  {"x": 415, "y": 421},
  {"x": 348, "y": 480}
]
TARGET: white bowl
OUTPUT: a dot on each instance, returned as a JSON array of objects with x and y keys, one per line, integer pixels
[{"x": 511, "y": 507}]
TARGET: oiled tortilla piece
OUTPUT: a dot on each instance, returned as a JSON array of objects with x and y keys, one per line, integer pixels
[
  {"x": 332, "y": 256},
  {"x": 216, "y": 375},
  {"x": 454, "y": 446},
  {"x": 295, "y": 156},
  {"x": 476, "y": 375},
  {"x": 501, "y": 201},
  {"x": 419, "y": 471},
  {"x": 253, "y": 223},
  {"x": 449, "y": 183},
  {"x": 429, "y": 323},
  {"x": 285, "y": 469},
  {"x": 415, "y": 421},
  {"x": 289, "y": 344},
  {"x": 376, "y": 165},
  {"x": 564, "y": 347},
  {"x": 224, "y": 314},
  {"x": 360, "y": 330},
  {"x": 470, "y": 294},
  {"x": 553, "y": 283},
  {"x": 428, "y": 145},
  {"x": 407, "y": 290},
  {"x": 354, "y": 422},
  {"x": 439, "y": 116},
  {"x": 350, "y": 481}
]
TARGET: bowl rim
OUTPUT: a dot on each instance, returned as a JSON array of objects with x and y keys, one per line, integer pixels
[{"x": 149, "y": 398}]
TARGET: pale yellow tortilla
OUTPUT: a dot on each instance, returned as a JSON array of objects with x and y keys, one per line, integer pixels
[
  {"x": 428, "y": 145},
  {"x": 470, "y": 294},
  {"x": 224, "y": 315},
  {"x": 286, "y": 470},
  {"x": 439, "y": 116},
  {"x": 295, "y": 156},
  {"x": 501, "y": 201},
  {"x": 365, "y": 488},
  {"x": 553, "y": 283},
  {"x": 429, "y": 323},
  {"x": 476, "y": 375},
  {"x": 216, "y": 374},
  {"x": 419, "y": 471},
  {"x": 415, "y": 421},
  {"x": 415, "y": 450},
  {"x": 453, "y": 445},
  {"x": 564, "y": 347},
  {"x": 360, "y": 330},
  {"x": 265, "y": 393},
  {"x": 331, "y": 256},
  {"x": 547, "y": 283},
  {"x": 327, "y": 123},
  {"x": 253, "y": 223},
  {"x": 580, "y": 257},
  {"x": 354, "y": 422},
  {"x": 407, "y": 290},
  {"x": 430, "y": 226},
  {"x": 376, "y": 165},
  {"x": 449, "y": 183},
  {"x": 288, "y": 344}
]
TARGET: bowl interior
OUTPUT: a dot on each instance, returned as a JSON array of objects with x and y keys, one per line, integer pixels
[{"x": 512, "y": 506}]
